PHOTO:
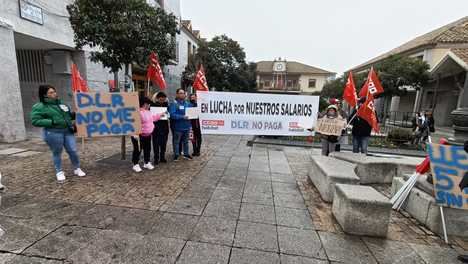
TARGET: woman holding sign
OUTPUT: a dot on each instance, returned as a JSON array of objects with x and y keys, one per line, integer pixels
[
  {"x": 330, "y": 139},
  {"x": 142, "y": 143},
  {"x": 56, "y": 119}
]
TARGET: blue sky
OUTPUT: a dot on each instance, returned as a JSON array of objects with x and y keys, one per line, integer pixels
[{"x": 333, "y": 34}]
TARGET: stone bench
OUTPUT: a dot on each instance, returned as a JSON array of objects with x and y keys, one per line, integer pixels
[
  {"x": 371, "y": 170},
  {"x": 422, "y": 206},
  {"x": 325, "y": 172},
  {"x": 361, "y": 210}
]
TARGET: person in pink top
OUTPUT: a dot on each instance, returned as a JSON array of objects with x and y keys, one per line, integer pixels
[{"x": 142, "y": 142}]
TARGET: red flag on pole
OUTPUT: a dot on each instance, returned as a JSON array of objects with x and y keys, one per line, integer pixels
[
  {"x": 367, "y": 112},
  {"x": 349, "y": 93},
  {"x": 154, "y": 72},
  {"x": 372, "y": 85},
  {"x": 200, "y": 83},
  {"x": 79, "y": 84}
]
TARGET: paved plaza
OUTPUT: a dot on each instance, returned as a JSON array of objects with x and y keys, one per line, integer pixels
[{"x": 234, "y": 204}]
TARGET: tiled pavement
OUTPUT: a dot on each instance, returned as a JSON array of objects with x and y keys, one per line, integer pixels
[{"x": 235, "y": 204}]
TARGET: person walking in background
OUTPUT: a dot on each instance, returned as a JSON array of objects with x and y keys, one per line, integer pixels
[
  {"x": 197, "y": 136},
  {"x": 56, "y": 119},
  {"x": 161, "y": 130},
  {"x": 142, "y": 142},
  {"x": 361, "y": 131},
  {"x": 181, "y": 123}
]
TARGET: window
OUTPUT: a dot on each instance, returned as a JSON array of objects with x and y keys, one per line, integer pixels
[
  {"x": 312, "y": 83},
  {"x": 290, "y": 83},
  {"x": 267, "y": 84},
  {"x": 189, "y": 48}
]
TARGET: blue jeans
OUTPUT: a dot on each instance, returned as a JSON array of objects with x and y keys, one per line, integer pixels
[
  {"x": 180, "y": 137},
  {"x": 57, "y": 139},
  {"x": 360, "y": 144}
]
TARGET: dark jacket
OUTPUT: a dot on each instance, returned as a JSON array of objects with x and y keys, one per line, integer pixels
[
  {"x": 161, "y": 127},
  {"x": 52, "y": 114},
  {"x": 360, "y": 126},
  {"x": 177, "y": 112},
  {"x": 195, "y": 122}
]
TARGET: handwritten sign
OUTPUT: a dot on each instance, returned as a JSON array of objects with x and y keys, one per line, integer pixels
[
  {"x": 449, "y": 164},
  {"x": 192, "y": 112},
  {"x": 107, "y": 114},
  {"x": 160, "y": 110},
  {"x": 330, "y": 126}
]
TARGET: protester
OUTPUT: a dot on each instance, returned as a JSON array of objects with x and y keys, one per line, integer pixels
[
  {"x": 56, "y": 119},
  {"x": 181, "y": 124},
  {"x": 328, "y": 141},
  {"x": 142, "y": 142},
  {"x": 344, "y": 115},
  {"x": 361, "y": 131},
  {"x": 161, "y": 130},
  {"x": 197, "y": 136}
]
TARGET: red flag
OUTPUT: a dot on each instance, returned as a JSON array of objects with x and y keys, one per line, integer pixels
[
  {"x": 154, "y": 72},
  {"x": 200, "y": 83},
  {"x": 79, "y": 84},
  {"x": 349, "y": 93},
  {"x": 367, "y": 112},
  {"x": 372, "y": 85}
]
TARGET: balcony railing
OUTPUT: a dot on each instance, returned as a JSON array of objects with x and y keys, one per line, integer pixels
[{"x": 284, "y": 89}]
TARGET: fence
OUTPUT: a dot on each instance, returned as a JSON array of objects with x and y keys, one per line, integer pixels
[{"x": 396, "y": 131}]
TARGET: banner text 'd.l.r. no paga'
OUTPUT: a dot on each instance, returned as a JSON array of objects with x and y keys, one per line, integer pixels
[
  {"x": 449, "y": 164},
  {"x": 107, "y": 114}
]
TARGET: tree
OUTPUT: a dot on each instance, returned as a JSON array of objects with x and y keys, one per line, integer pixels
[
  {"x": 334, "y": 88},
  {"x": 122, "y": 32},
  {"x": 396, "y": 72},
  {"x": 225, "y": 65}
]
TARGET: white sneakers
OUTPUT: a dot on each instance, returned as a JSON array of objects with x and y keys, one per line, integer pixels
[
  {"x": 61, "y": 175},
  {"x": 78, "y": 172},
  {"x": 147, "y": 166},
  {"x": 137, "y": 168}
]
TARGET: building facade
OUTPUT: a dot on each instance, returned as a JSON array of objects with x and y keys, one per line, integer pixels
[
  {"x": 282, "y": 76},
  {"x": 37, "y": 46},
  {"x": 446, "y": 51}
]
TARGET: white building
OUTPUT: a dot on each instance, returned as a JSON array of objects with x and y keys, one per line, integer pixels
[{"x": 36, "y": 40}]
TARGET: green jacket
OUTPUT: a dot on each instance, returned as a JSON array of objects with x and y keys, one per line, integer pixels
[{"x": 51, "y": 114}]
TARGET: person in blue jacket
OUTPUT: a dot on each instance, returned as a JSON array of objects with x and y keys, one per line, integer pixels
[{"x": 181, "y": 124}]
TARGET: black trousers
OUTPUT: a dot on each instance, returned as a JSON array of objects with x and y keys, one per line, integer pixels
[
  {"x": 159, "y": 145},
  {"x": 197, "y": 140},
  {"x": 144, "y": 145}
]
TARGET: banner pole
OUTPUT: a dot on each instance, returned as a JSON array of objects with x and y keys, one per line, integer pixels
[{"x": 444, "y": 227}]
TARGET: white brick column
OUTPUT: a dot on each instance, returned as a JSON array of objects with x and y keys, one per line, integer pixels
[{"x": 12, "y": 126}]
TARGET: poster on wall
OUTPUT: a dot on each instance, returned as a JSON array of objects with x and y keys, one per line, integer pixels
[
  {"x": 449, "y": 164},
  {"x": 107, "y": 114},
  {"x": 257, "y": 114}
]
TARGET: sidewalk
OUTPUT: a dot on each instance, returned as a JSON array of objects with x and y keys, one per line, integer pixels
[{"x": 235, "y": 204}]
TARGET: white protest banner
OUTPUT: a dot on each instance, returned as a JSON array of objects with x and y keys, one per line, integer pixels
[
  {"x": 160, "y": 110},
  {"x": 330, "y": 126},
  {"x": 449, "y": 164},
  {"x": 193, "y": 112},
  {"x": 107, "y": 114},
  {"x": 257, "y": 114}
]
